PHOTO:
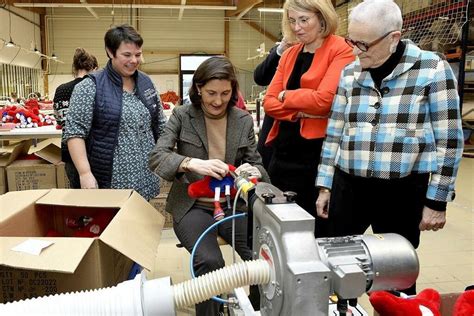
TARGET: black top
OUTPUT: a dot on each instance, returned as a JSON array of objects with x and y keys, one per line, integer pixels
[
  {"x": 289, "y": 139},
  {"x": 379, "y": 73},
  {"x": 264, "y": 72},
  {"x": 61, "y": 100}
]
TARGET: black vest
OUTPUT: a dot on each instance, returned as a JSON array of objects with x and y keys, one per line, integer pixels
[{"x": 103, "y": 136}]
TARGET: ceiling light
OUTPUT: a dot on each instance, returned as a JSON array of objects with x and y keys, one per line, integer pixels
[
  {"x": 270, "y": 10},
  {"x": 10, "y": 43},
  {"x": 37, "y": 51},
  {"x": 54, "y": 56}
]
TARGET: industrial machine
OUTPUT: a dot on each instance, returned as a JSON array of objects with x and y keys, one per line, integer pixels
[{"x": 296, "y": 272}]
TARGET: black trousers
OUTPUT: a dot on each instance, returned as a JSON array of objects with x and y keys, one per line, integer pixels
[
  {"x": 295, "y": 169},
  {"x": 208, "y": 256},
  {"x": 265, "y": 151},
  {"x": 389, "y": 206}
]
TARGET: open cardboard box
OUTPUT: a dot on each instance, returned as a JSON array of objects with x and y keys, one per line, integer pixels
[{"x": 73, "y": 264}]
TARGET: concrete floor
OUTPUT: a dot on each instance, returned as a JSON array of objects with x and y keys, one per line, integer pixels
[{"x": 446, "y": 256}]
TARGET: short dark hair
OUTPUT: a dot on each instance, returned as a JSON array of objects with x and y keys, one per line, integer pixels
[
  {"x": 83, "y": 60},
  {"x": 121, "y": 33},
  {"x": 217, "y": 67}
]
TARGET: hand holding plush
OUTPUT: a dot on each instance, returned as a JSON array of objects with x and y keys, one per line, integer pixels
[{"x": 214, "y": 188}]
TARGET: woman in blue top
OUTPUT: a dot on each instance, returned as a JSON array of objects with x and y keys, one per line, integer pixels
[{"x": 115, "y": 119}]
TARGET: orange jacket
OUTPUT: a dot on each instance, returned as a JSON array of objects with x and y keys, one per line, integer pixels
[{"x": 317, "y": 88}]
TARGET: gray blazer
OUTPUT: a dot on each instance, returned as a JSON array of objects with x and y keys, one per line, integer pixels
[{"x": 186, "y": 129}]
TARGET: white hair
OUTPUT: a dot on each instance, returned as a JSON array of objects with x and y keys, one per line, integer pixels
[{"x": 385, "y": 15}]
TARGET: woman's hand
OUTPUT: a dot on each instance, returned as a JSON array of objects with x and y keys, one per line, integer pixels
[
  {"x": 252, "y": 171},
  {"x": 322, "y": 204},
  {"x": 88, "y": 181},
  {"x": 212, "y": 167}
]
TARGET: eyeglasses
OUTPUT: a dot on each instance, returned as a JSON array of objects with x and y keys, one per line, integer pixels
[
  {"x": 302, "y": 22},
  {"x": 363, "y": 46}
]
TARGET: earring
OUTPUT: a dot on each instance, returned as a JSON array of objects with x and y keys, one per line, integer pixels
[{"x": 199, "y": 92}]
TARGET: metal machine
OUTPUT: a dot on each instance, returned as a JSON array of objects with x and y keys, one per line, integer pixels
[{"x": 296, "y": 272}]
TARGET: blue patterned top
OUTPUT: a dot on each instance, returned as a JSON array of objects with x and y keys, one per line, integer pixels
[
  {"x": 135, "y": 140},
  {"x": 412, "y": 124}
]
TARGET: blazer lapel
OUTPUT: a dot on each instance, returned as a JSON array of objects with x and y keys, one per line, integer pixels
[
  {"x": 234, "y": 134},
  {"x": 199, "y": 125}
]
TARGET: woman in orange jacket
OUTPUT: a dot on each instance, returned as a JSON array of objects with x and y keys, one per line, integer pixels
[{"x": 300, "y": 95}]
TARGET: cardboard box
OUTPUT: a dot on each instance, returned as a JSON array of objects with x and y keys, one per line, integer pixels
[
  {"x": 8, "y": 154},
  {"x": 36, "y": 174},
  {"x": 31, "y": 175},
  {"x": 61, "y": 177},
  {"x": 159, "y": 203},
  {"x": 73, "y": 264}
]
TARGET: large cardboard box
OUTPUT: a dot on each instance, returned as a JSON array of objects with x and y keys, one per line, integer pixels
[
  {"x": 8, "y": 154},
  {"x": 39, "y": 173},
  {"x": 73, "y": 264}
]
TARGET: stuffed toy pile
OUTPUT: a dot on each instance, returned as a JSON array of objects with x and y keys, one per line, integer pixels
[
  {"x": 426, "y": 303},
  {"x": 28, "y": 116}
]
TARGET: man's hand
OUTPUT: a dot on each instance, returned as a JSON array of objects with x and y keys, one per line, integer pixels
[
  {"x": 432, "y": 220},
  {"x": 322, "y": 204}
]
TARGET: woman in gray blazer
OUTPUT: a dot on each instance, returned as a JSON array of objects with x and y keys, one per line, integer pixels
[{"x": 200, "y": 140}]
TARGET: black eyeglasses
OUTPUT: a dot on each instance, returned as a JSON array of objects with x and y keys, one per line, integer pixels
[{"x": 363, "y": 46}]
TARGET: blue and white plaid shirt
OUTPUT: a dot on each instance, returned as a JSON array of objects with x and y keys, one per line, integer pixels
[{"x": 412, "y": 124}]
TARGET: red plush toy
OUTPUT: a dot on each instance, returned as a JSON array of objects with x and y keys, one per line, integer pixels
[
  {"x": 212, "y": 188},
  {"x": 464, "y": 304},
  {"x": 426, "y": 303}
]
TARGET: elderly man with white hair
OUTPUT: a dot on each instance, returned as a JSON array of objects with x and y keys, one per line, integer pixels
[{"x": 394, "y": 140}]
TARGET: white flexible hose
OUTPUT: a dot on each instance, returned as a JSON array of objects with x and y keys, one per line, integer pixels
[
  {"x": 126, "y": 298},
  {"x": 220, "y": 281},
  {"x": 123, "y": 299}
]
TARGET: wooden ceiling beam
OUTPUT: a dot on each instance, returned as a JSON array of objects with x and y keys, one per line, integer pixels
[{"x": 243, "y": 6}]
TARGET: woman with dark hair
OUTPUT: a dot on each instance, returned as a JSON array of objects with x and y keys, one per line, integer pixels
[
  {"x": 208, "y": 134},
  {"x": 115, "y": 119},
  {"x": 82, "y": 64}
]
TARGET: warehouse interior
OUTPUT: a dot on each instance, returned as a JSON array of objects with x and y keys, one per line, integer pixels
[{"x": 37, "y": 43}]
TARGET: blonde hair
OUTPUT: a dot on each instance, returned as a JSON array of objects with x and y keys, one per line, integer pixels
[{"x": 322, "y": 8}]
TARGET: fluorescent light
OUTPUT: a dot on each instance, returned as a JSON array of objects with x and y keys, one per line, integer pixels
[
  {"x": 270, "y": 10},
  {"x": 123, "y": 6}
]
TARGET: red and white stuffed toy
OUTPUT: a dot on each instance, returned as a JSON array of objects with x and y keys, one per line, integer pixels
[
  {"x": 426, "y": 303},
  {"x": 210, "y": 187}
]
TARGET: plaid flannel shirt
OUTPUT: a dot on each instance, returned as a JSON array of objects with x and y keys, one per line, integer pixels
[{"x": 412, "y": 124}]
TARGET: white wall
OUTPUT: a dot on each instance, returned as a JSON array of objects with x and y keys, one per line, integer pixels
[
  {"x": 165, "y": 37},
  {"x": 22, "y": 33}
]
